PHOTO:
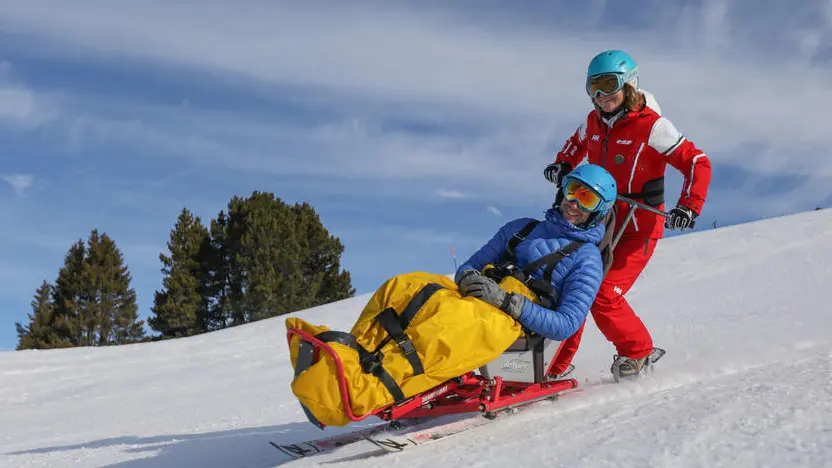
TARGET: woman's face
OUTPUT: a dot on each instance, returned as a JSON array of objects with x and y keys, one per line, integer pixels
[
  {"x": 612, "y": 102},
  {"x": 572, "y": 213}
]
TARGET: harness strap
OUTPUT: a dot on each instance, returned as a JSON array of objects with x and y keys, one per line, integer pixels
[
  {"x": 543, "y": 287},
  {"x": 417, "y": 302},
  {"x": 395, "y": 324},
  {"x": 370, "y": 362},
  {"x": 390, "y": 321},
  {"x": 562, "y": 253},
  {"x": 520, "y": 236}
]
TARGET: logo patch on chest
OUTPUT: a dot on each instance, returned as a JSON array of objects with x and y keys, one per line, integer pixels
[{"x": 619, "y": 159}]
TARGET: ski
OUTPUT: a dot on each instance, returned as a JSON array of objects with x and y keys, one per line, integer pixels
[
  {"x": 404, "y": 434},
  {"x": 429, "y": 435},
  {"x": 397, "y": 443},
  {"x": 318, "y": 446}
]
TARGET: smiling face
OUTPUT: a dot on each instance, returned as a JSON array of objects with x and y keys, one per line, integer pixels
[
  {"x": 571, "y": 212},
  {"x": 612, "y": 102}
]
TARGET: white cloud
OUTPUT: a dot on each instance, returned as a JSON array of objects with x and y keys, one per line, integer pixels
[
  {"x": 367, "y": 63},
  {"x": 20, "y": 105},
  {"x": 19, "y": 182},
  {"x": 356, "y": 48},
  {"x": 499, "y": 94},
  {"x": 451, "y": 194},
  {"x": 409, "y": 235},
  {"x": 355, "y": 148}
]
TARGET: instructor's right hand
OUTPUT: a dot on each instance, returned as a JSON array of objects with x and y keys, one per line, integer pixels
[{"x": 555, "y": 172}]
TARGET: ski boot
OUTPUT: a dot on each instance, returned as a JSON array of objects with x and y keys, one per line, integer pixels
[
  {"x": 561, "y": 375},
  {"x": 628, "y": 368}
]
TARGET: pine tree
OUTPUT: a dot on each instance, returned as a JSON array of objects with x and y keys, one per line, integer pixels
[
  {"x": 91, "y": 303},
  {"x": 40, "y": 333},
  {"x": 238, "y": 257},
  {"x": 111, "y": 314},
  {"x": 268, "y": 258},
  {"x": 321, "y": 254},
  {"x": 181, "y": 309},
  {"x": 94, "y": 303},
  {"x": 68, "y": 295},
  {"x": 216, "y": 275}
]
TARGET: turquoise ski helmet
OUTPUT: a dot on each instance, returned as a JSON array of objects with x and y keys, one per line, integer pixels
[
  {"x": 600, "y": 181},
  {"x": 613, "y": 62}
]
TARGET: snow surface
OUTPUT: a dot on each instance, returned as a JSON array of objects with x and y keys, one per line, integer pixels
[{"x": 747, "y": 380}]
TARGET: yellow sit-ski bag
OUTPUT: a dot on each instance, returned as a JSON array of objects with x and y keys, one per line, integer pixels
[{"x": 415, "y": 333}]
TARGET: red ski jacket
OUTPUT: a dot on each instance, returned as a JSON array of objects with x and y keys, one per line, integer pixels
[{"x": 636, "y": 147}]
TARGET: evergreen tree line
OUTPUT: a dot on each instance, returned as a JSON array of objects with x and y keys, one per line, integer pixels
[{"x": 259, "y": 259}]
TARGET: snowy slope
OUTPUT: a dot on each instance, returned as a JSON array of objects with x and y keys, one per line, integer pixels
[{"x": 747, "y": 381}]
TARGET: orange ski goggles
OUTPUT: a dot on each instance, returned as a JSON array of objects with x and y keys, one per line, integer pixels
[
  {"x": 604, "y": 84},
  {"x": 588, "y": 199}
]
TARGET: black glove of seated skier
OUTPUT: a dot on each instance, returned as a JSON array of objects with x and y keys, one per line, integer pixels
[
  {"x": 680, "y": 218},
  {"x": 474, "y": 284},
  {"x": 555, "y": 172}
]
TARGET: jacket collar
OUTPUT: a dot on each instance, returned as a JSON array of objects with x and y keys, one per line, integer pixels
[
  {"x": 623, "y": 114},
  {"x": 563, "y": 228}
]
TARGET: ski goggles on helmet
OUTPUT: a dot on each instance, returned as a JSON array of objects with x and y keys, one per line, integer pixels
[
  {"x": 607, "y": 84},
  {"x": 588, "y": 199}
]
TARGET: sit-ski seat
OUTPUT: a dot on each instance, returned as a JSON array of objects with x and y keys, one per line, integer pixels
[{"x": 526, "y": 361}]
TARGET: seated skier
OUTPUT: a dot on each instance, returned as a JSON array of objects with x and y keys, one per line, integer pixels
[{"x": 574, "y": 226}]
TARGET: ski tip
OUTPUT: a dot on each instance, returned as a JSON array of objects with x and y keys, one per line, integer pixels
[
  {"x": 299, "y": 450},
  {"x": 392, "y": 444}
]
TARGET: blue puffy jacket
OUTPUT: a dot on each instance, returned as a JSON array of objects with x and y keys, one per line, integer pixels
[{"x": 576, "y": 278}]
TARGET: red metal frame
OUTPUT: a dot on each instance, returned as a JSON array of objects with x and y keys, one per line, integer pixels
[
  {"x": 465, "y": 394},
  {"x": 339, "y": 367}
]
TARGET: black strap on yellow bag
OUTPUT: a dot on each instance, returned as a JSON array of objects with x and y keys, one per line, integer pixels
[{"x": 395, "y": 325}]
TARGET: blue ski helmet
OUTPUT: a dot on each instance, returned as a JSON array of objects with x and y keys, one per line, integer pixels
[
  {"x": 615, "y": 62},
  {"x": 600, "y": 181}
]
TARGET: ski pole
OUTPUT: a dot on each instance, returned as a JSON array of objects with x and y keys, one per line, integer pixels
[
  {"x": 643, "y": 206},
  {"x": 633, "y": 205},
  {"x": 649, "y": 208}
]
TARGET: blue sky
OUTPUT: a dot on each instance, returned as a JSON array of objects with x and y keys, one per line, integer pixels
[{"x": 409, "y": 126}]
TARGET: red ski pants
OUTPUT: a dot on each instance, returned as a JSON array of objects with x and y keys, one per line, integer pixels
[{"x": 611, "y": 312}]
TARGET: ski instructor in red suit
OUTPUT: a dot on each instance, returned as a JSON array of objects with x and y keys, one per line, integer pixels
[{"x": 627, "y": 135}]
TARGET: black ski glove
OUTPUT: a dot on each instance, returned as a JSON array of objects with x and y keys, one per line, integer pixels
[
  {"x": 681, "y": 218},
  {"x": 555, "y": 172},
  {"x": 486, "y": 289}
]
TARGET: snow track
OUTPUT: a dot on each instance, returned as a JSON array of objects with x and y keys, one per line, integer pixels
[{"x": 747, "y": 380}]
